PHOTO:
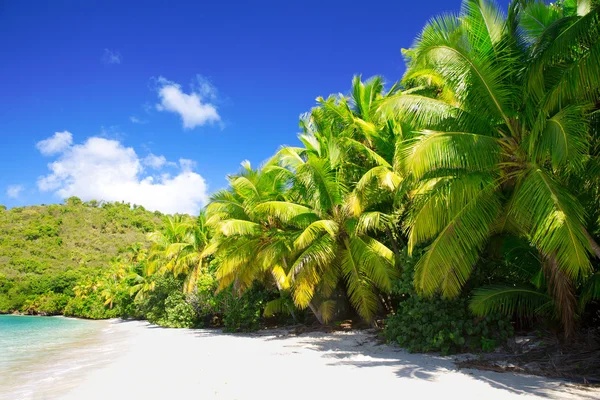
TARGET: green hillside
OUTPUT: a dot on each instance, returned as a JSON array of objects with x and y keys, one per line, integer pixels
[{"x": 45, "y": 250}]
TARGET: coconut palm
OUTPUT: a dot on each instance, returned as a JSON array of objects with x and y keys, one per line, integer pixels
[
  {"x": 346, "y": 140},
  {"x": 179, "y": 248},
  {"x": 141, "y": 281},
  {"x": 501, "y": 109},
  {"x": 250, "y": 245},
  {"x": 273, "y": 220},
  {"x": 136, "y": 253},
  {"x": 334, "y": 245}
]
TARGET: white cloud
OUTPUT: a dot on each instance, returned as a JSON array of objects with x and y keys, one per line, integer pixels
[
  {"x": 55, "y": 144},
  {"x": 193, "y": 108},
  {"x": 137, "y": 120},
  {"x": 104, "y": 169},
  {"x": 187, "y": 165},
  {"x": 157, "y": 162},
  {"x": 14, "y": 191},
  {"x": 111, "y": 57}
]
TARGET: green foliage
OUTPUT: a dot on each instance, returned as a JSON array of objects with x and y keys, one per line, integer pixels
[
  {"x": 244, "y": 313},
  {"x": 46, "y": 304},
  {"x": 424, "y": 324},
  {"x": 501, "y": 107},
  {"x": 302, "y": 224},
  {"x": 46, "y": 250},
  {"x": 178, "y": 312},
  {"x": 91, "y": 307},
  {"x": 432, "y": 324},
  {"x": 153, "y": 306},
  {"x": 478, "y": 178}
]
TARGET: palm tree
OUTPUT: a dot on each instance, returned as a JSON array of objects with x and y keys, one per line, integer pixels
[
  {"x": 179, "y": 248},
  {"x": 272, "y": 223},
  {"x": 501, "y": 110},
  {"x": 110, "y": 291},
  {"x": 136, "y": 253},
  {"x": 141, "y": 282},
  {"x": 250, "y": 245},
  {"x": 346, "y": 141},
  {"x": 333, "y": 244}
]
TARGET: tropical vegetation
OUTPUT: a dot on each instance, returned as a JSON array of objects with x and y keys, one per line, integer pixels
[{"x": 461, "y": 202}]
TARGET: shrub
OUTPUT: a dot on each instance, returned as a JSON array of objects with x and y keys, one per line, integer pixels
[
  {"x": 244, "y": 313},
  {"x": 46, "y": 304},
  {"x": 178, "y": 312},
  {"x": 91, "y": 307},
  {"x": 154, "y": 306},
  {"x": 447, "y": 326},
  {"x": 436, "y": 324}
]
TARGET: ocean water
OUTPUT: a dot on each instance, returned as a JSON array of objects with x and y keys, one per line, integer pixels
[{"x": 42, "y": 357}]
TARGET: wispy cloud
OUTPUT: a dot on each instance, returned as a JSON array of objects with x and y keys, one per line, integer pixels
[
  {"x": 147, "y": 108},
  {"x": 196, "y": 108},
  {"x": 157, "y": 162},
  {"x": 14, "y": 191},
  {"x": 111, "y": 57},
  {"x": 136, "y": 120},
  {"x": 55, "y": 144}
]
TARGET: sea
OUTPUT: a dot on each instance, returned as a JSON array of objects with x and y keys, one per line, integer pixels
[{"x": 44, "y": 357}]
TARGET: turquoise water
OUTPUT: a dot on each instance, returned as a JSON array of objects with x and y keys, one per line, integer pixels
[
  {"x": 39, "y": 355},
  {"x": 22, "y": 338}
]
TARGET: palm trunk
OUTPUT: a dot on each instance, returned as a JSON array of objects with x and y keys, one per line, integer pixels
[
  {"x": 316, "y": 312},
  {"x": 595, "y": 247},
  {"x": 561, "y": 289},
  {"x": 279, "y": 288},
  {"x": 392, "y": 240}
]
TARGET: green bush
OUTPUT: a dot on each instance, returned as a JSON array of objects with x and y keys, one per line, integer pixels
[
  {"x": 178, "y": 312},
  {"x": 46, "y": 304},
  {"x": 447, "y": 326},
  {"x": 153, "y": 306},
  {"x": 435, "y": 324},
  {"x": 244, "y": 313},
  {"x": 208, "y": 305},
  {"x": 91, "y": 307}
]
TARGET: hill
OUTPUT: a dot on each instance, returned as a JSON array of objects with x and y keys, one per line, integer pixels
[{"x": 45, "y": 250}]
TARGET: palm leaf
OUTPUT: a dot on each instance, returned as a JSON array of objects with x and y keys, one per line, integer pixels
[{"x": 509, "y": 300}]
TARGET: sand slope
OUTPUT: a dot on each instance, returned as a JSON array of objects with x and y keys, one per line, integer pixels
[{"x": 156, "y": 363}]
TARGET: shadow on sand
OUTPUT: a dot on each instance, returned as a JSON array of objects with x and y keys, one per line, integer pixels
[
  {"x": 341, "y": 348},
  {"x": 361, "y": 349}
]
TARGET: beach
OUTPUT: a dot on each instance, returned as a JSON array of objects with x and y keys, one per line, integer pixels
[{"x": 136, "y": 360}]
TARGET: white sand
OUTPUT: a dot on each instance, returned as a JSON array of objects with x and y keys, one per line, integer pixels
[{"x": 156, "y": 363}]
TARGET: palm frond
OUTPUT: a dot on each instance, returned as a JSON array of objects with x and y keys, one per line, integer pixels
[
  {"x": 448, "y": 261},
  {"x": 509, "y": 300},
  {"x": 314, "y": 231},
  {"x": 554, "y": 220},
  {"x": 446, "y": 150}
]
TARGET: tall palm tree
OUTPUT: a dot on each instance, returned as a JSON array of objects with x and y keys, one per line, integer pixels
[
  {"x": 501, "y": 109},
  {"x": 333, "y": 245},
  {"x": 346, "y": 141},
  {"x": 272, "y": 224}
]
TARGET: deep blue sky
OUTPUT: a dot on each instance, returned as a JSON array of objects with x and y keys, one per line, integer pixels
[{"x": 267, "y": 61}]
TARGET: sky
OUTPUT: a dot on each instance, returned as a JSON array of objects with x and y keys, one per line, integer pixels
[{"x": 155, "y": 103}]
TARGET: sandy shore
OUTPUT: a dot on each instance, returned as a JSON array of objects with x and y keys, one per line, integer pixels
[{"x": 148, "y": 362}]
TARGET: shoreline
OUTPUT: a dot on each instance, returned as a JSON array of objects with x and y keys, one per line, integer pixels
[
  {"x": 44, "y": 372},
  {"x": 149, "y": 362}
]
